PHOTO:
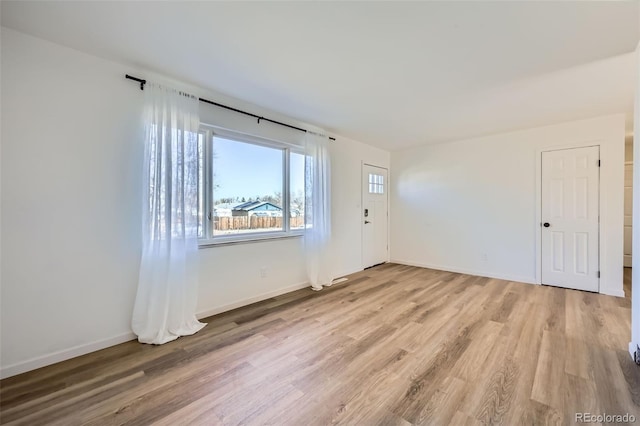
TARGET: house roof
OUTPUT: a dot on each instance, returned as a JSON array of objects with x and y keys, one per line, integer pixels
[{"x": 252, "y": 205}]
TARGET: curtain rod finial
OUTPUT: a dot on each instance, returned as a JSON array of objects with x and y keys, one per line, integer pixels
[{"x": 139, "y": 80}]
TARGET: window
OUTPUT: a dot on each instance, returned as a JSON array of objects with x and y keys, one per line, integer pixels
[
  {"x": 296, "y": 191},
  {"x": 250, "y": 188},
  {"x": 376, "y": 184}
]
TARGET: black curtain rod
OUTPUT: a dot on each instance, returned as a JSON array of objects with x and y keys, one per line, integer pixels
[{"x": 207, "y": 101}]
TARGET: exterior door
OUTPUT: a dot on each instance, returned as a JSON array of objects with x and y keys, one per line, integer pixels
[
  {"x": 628, "y": 213},
  {"x": 570, "y": 222},
  {"x": 375, "y": 185}
]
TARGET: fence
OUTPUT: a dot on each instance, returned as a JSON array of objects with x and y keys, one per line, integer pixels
[{"x": 226, "y": 223}]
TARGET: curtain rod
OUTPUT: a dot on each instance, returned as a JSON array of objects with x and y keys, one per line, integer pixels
[{"x": 207, "y": 101}]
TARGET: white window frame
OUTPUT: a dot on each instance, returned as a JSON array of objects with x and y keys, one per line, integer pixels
[{"x": 208, "y": 239}]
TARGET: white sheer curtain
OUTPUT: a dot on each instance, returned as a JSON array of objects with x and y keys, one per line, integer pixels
[
  {"x": 167, "y": 289},
  {"x": 317, "y": 236}
]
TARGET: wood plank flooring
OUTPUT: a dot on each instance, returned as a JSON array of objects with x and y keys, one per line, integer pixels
[{"x": 394, "y": 345}]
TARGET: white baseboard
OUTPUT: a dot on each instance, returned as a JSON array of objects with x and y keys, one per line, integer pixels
[
  {"x": 527, "y": 280},
  {"x": 506, "y": 277},
  {"x": 240, "y": 303},
  {"x": 349, "y": 272},
  {"x": 63, "y": 355}
]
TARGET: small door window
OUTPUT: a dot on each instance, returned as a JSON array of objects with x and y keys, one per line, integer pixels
[{"x": 376, "y": 184}]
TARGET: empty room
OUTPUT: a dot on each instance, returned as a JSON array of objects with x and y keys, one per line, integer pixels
[{"x": 312, "y": 213}]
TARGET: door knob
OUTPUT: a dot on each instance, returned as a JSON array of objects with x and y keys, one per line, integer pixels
[
  {"x": 366, "y": 221},
  {"x": 546, "y": 224}
]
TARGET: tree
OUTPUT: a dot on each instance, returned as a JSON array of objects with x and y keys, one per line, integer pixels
[
  {"x": 297, "y": 201},
  {"x": 275, "y": 199},
  {"x": 227, "y": 200}
]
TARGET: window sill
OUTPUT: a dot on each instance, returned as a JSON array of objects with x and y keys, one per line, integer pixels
[{"x": 246, "y": 239}]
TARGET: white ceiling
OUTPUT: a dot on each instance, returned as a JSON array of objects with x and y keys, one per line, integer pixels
[{"x": 391, "y": 74}]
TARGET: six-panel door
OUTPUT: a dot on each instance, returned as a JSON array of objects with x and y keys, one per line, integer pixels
[{"x": 570, "y": 223}]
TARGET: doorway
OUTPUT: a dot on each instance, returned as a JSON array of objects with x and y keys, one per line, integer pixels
[
  {"x": 375, "y": 215},
  {"x": 628, "y": 213},
  {"x": 570, "y": 218}
]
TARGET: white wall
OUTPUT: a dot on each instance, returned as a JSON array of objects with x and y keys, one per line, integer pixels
[
  {"x": 452, "y": 204},
  {"x": 70, "y": 175},
  {"x": 347, "y": 222},
  {"x": 70, "y": 250},
  {"x": 635, "y": 278}
]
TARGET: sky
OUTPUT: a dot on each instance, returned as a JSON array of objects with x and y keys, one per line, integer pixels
[{"x": 248, "y": 170}]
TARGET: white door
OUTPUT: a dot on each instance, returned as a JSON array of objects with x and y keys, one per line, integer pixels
[
  {"x": 570, "y": 223},
  {"x": 628, "y": 210},
  {"x": 375, "y": 185}
]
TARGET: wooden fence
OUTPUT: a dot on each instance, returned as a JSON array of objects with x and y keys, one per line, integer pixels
[{"x": 226, "y": 223}]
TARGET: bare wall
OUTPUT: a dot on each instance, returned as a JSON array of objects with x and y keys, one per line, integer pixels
[
  {"x": 471, "y": 206},
  {"x": 71, "y": 188},
  {"x": 635, "y": 292}
]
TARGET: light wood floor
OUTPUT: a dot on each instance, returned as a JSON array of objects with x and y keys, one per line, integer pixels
[{"x": 394, "y": 345}]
